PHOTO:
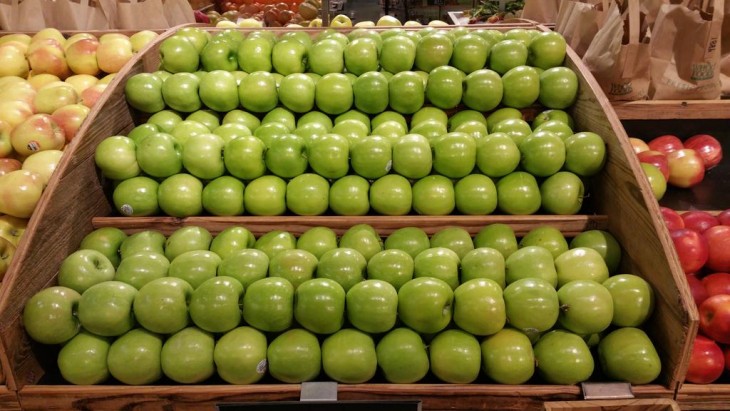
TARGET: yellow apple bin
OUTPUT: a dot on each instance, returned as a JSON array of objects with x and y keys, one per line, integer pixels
[{"x": 77, "y": 202}]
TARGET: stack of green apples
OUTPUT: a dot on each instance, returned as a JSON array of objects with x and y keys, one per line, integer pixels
[
  {"x": 351, "y": 309},
  {"x": 390, "y": 122}
]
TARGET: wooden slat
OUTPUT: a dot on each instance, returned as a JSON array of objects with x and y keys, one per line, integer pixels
[
  {"x": 658, "y": 404},
  {"x": 568, "y": 225},
  {"x": 9, "y": 400},
  {"x": 704, "y": 396},
  {"x": 672, "y": 109}
]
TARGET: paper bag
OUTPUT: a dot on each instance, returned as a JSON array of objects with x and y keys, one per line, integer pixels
[
  {"x": 685, "y": 51},
  {"x": 619, "y": 57},
  {"x": 21, "y": 15},
  {"x": 140, "y": 15},
  {"x": 542, "y": 11},
  {"x": 76, "y": 15},
  {"x": 725, "y": 54},
  {"x": 579, "y": 21},
  {"x": 178, "y": 12}
]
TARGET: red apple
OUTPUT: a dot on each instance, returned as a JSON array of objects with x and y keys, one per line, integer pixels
[
  {"x": 686, "y": 168},
  {"x": 666, "y": 143},
  {"x": 699, "y": 220},
  {"x": 91, "y": 95},
  {"x": 70, "y": 118},
  {"x": 718, "y": 246},
  {"x": 706, "y": 363},
  {"x": 715, "y": 318},
  {"x": 697, "y": 288},
  {"x": 724, "y": 217},
  {"x": 638, "y": 145},
  {"x": 726, "y": 351},
  {"x": 656, "y": 158},
  {"x": 671, "y": 218},
  {"x": 716, "y": 283},
  {"x": 691, "y": 248},
  {"x": 707, "y": 147},
  {"x": 9, "y": 164}
]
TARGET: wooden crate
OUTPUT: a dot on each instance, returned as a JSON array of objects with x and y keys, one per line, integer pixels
[
  {"x": 659, "y": 404},
  {"x": 77, "y": 200},
  {"x": 672, "y": 109}
]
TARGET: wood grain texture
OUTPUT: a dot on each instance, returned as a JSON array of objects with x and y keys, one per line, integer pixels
[
  {"x": 672, "y": 109},
  {"x": 704, "y": 396},
  {"x": 9, "y": 400},
  {"x": 658, "y": 404},
  {"x": 76, "y": 194}
]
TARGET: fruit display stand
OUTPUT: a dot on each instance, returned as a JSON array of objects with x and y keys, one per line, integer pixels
[
  {"x": 626, "y": 405},
  {"x": 77, "y": 202}
]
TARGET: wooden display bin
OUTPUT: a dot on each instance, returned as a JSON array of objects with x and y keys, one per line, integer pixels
[
  {"x": 77, "y": 202},
  {"x": 659, "y": 404}
]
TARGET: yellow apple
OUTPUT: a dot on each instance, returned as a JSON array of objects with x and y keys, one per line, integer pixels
[
  {"x": 81, "y": 56},
  {"x": 112, "y": 36},
  {"x": 113, "y": 54},
  {"x": 78, "y": 36},
  {"x": 142, "y": 38},
  {"x": 412, "y": 23},
  {"x": 316, "y": 22},
  {"x": 12, "y": 61},
  {"x": 365, "y": 23},
  {"x": 341, "y": 20},
  {"x": 40, "y": 80},
  {"x": 43, "y": 162},
  {"x": 49, "y": 33},
  {"x": 7, "y": 250},
  {"x": 19, "y": 37},
  {"x": 437, "y": 23},
  {"x": 249, "y": 22},
  {"x": 12, "y": 228},
  {"x": 81, "y": 82},
  {"x": 107, "y": 79},
  {"x": 388, "y": 21}
]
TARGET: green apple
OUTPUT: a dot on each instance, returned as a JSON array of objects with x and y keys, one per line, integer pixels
[
  {"x": 265, "y": 195},
  {"x": 391, "y": 195},
  {"x": 393, "y": 266},
  {"x": 220, "y": 54},
  {"x": 159, "y": 155},
  {"x": 433, "y": 51},
  {"x": 241, "y": 117},
  {"x": 231, "y": 240},
  {"x": 296, "y": 92},
  {"x": 179, "y": 54},
  {"x": 207, "y": 117},
  {"x": 361, "y": 56},
  {"x": 180, "y": 92},
  {"x": 214, "y": 305},
  {"x": 202, "y": 156},
  {"x": 507, "y": 357},
  {"x": 362, "y": 238},
  {"x": 289, "y": 56},
  {"x": 326, "y": 56},
  {"x": 454, "y": 154},
  {"x": 185, "y": 129},
  {"x": 143, "y": 130},
  {"x": 563, "y": 358},
  {"x": 585, "y": 154},
  {"x": 371, "y": 157},
  {"x": 317, "y": 241},
  {"x": 349, "y": 196},
  {"x": 257, "y": 92},
  {"x": 372, "y": 306},
  {"x": 146, "y": 240},
  {"x": 433, "y": 195},
  {"x": 309, "y": 130},
  {"x": 497, "y": 155},
  {"x": 391, "y": 130},
  {"x": 187, "y": 356},
  {"x": 633, "y": 299},
  {"x": 181, "y": 195},
  {"x": 307, "y": 194},
  {"x": 479, "y": 307},
  {"x": 49, "y": 315},
  {"x": 328, "y": 155},
  {"x": 532, "y": 305},
  {"x": 558, "y": 87},
  {"x": 627, "y": 354},
  {"x": 254, "y": 54},
  {"x": 294, "y": 265},
  {"x": 161, "y": 306},
  {"x": 141, "y": 268},
  {"x": 165, "y": 120},
  {"x": 558, "y": 127},
  {"x": 105, "y": 309},
  {"x": 498, "y": 236},
  {"x": 475, "y": 194},
  {"x": 412, "y": 240},
  {"x": 352, "y": 129},
  {"x": 444, "y": 88},
  {"x": 333, "y": 93},
  {"x": 106, "y": 240},
  {"x": 195, "y": 35},
  {"x": 223, "y": 196},
  {"x": 462, "y": 116},
  {"x": 402, "y": 356},
  {"x": 521, "y": 87},
  {"x": 455, "y": 357},
  {"x": 219, "y": 90},
  {"x": 346, "y": 266},
  {"x": 294, "y": 356},
  {"x": 483, "y": 90},
  {"x": 518, "y": 193},
  {"x": 531, "y": 261},
  {"x": 348, "y": 356},
  {"x": 82, "y": 360},
  {"x": 116, "y": 157},
  {"x": 268, "y": 304},
  {"x": 246, "y": 266},
  {"x": 562, "y": 193},
  {"x": 195, "y": 266},
  {"x": 516, "y": 128},
  {"x": 586, "y": 307},
  {"x": 370, "y": 92},
  {"x": 425, "y": 304},
  {"x": 547, "y": 237},
  {"x": 240, "y": 356},
  {"x": 483, "y": 262},
  {"x": 456, "y": 239},
  {"x": 319, "y": 305},
  {"x": 406, "y": 92},
  {"x": 134, "y": 358},
  {"x": 84, "y": 268},
  {"x": 603, "y": 242},
  {"x": 280, "y": 115},
  {"x": 581, "y": 263},
  {"x": 388, "y": 116},
  {"x": 470, "y": 53},
  {"x": 502, "y": 114},
  {"x": 553, "y": 114},
  {"x": 506, "y": 55},
  {"x": 286, "y": 155},
  {"x": 397, "y": 54},
  {"x": 412, "y": 157},
  {"x": 275, "y": 241},
  {"x": 143, "y": 91},
  {"x": 243, "y": 157}
]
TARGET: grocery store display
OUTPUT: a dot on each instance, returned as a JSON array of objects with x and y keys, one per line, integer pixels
[
  {"x": 245, "y": 13},
  {"x": 263, "y": 88},
  {"x": 355, "y": 299},
  {"x": 48, "y": 84}
]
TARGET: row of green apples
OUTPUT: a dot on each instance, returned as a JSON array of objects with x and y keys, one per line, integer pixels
[
  {"x": 261, "y": 86},
  {"x": 318, "y": 164},
  {"x": 306, "y": 287}
]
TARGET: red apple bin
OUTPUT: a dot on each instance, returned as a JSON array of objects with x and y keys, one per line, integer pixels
[{"x": 76, "y": 202}]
